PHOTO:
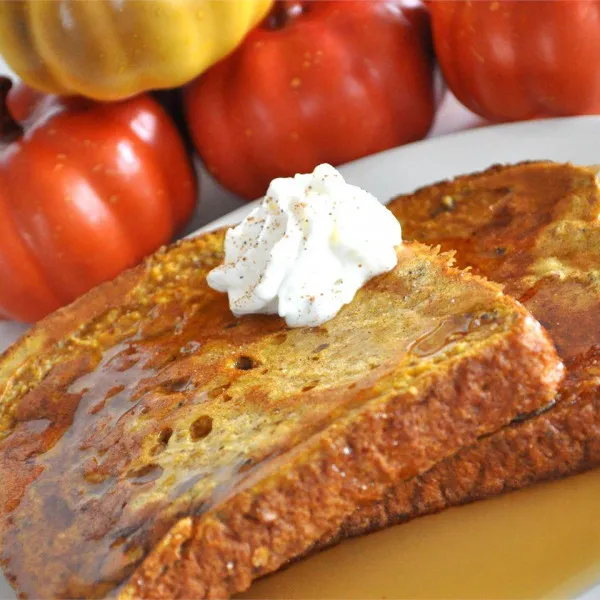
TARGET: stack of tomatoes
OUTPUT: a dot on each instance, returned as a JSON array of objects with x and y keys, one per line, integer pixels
[{"x": 95, "y": 173}]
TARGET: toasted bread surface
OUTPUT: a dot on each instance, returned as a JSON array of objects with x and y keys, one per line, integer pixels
[
  {"x": 535, "y": 228},
  {"x": 152, "y": 445}
]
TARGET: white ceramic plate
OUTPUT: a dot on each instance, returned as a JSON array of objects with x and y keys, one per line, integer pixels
[{"x": 403, "y": 169}]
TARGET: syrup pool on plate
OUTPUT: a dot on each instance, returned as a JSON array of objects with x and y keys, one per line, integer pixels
[{"x": 540, "y": 542}]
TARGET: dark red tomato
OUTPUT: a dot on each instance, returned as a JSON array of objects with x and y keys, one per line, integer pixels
[{"x": 323, "y": 81}]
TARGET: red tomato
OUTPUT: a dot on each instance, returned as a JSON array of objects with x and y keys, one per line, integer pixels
[
  {"x": 323, "y": 81},
  {"x": 86, "y": 190},
  {"x": 517, "y": 59}
]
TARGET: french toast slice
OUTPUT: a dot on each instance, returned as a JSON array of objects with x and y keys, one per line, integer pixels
[
  {"x": 535, "y": 228},
  {"x": 152, "y": 445}
]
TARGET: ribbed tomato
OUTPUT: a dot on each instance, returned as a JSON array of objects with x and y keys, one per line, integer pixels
[
  {"x": 518, "y": 59},
  {"x": 86, "y": 190},
  {"x": 323, "y": 81}
]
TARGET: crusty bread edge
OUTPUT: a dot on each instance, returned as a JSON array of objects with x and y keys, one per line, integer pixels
[
  {"x": 443, "y": 184},
  {"x": 564, "y": 441}
]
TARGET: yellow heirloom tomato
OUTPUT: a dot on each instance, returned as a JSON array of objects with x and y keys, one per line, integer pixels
[{"x": 111, "y": 49}]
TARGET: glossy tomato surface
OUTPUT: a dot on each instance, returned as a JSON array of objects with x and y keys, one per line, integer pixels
[
  {"x": 519, "y": 59},
  {"x": 86, "y": 190},
  {"x": 323, "y": 81}
]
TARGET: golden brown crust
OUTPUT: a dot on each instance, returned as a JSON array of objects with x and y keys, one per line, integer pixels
[
  {"x": 144, "y": 426},
  {"x": 259, "y": 529},
  {"x": 544, "y": 217},
  {"x": 561, "y": 442}
]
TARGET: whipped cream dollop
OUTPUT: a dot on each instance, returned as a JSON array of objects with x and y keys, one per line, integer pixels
[{"x": 306, "y": 250}]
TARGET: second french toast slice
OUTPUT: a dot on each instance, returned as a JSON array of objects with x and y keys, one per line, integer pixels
[{"x": 534, "y": 228}]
